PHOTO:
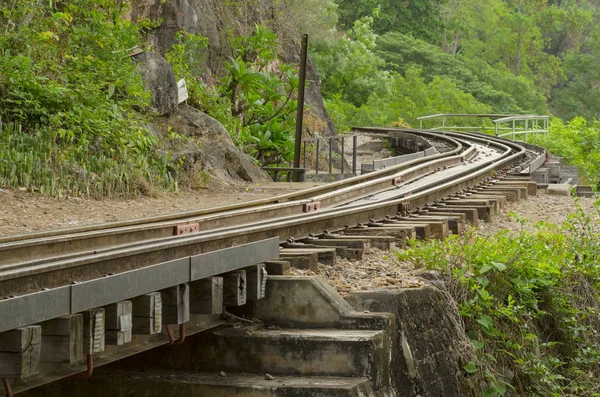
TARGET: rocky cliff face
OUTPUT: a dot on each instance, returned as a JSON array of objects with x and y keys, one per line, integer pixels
[
  {"x": 218, "y": 20},
  {"x": 203, "y": 150}
]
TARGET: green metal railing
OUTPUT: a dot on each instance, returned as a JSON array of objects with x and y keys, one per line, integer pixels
[
  {"x": 519, "y": 126},
  {"x": 515, "y": 127}
]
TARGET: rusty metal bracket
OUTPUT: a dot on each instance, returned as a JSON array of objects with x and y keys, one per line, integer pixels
[
  {"x": 7, "y": 388},
  {"x": 187, "y": 228},
  {"x": 172, "y": 340},
  {"x": 312, "y": 207},
  {"x": 88, "y": 372}
]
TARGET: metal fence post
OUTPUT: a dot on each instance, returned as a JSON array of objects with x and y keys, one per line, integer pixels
[
  {"x": 317, "y": 159},
  {"x": 343, "y": 159},
  {"x": 330, "y": 156},
  {"x": 354, "y": 142},
  {"x": 304, "y": 156},
  {"x": 300, "y": 110}
]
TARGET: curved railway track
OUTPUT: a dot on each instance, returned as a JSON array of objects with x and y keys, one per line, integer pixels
[
  {"x": 26, "y": 260},
  {"x": 94, "y": 255}
]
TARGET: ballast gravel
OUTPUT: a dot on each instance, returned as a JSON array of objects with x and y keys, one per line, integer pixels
[{"x": 383, "y": 270}]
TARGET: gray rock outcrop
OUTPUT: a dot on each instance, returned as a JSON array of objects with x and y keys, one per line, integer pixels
[
  {"x": 207, "y": 151},
  {"x": 160, "y": 80},
  {"x": 217, "y": 21}
]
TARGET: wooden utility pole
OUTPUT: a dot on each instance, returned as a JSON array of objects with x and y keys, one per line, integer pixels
[{"x": 300, "y": 111}]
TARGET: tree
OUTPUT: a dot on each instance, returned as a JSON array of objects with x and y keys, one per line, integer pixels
[
  {"x": 349, "y": 67},
  {"x": 419, "y": 18}
]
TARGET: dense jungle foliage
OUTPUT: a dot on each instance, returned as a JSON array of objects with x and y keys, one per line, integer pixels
[
  {"x": 74, "y": 111},
  {"x": 389, "y": 62},
  {"x": 73, "y": 106}
]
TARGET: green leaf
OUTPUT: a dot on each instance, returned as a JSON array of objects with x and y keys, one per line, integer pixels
[
  {"x": 499, "y": 266},
  {"x": 485, "y": 321},
  {"x": 500, "y": 389},
  {"x": 485, "y": 269},
  {"x": 471, "y": 367},
  {"x": 477, "y": 344}
]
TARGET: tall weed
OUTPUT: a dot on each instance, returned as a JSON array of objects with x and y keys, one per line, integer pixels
[{"x": 530, "y": 302}]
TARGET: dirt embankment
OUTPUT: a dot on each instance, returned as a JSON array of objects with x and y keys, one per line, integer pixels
[{"x": 22, "y": 212}]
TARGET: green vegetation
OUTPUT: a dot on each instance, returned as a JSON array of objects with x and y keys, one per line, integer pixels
[
  {"x": 68, "y": 86},
  {"x": 70, "y": 101},
  {"x": 578, "y": 142},
  {"x": 358, "y": 91},
  {"x": 74, "y": 110},
  {"x": 529, "y": 301},
  {"x": 254, "y": 97},
  {"x": 384, "y": 62},
  {"x": 506, "y": 53}
]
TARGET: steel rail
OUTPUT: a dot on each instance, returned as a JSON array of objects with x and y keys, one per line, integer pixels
[
  {"x": 482, "y": 139},
  {"x": 42, "y": 247},
  {"x": 111, "y": 261},
  {"x": 293, "y": 196},
  {"x": 213, "y": 222}
]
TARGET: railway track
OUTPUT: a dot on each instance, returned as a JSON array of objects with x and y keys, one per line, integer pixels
[{"x": 51, "y": 274}]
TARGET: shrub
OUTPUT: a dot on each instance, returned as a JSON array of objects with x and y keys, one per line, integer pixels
[
  {"x": 529, "y": 301},
  {"x": 67, "y": 86}
]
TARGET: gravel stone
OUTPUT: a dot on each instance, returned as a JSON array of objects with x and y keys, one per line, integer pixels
[{"x": 383, "y": 270}]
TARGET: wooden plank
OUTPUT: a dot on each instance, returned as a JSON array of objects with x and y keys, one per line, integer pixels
[
  {"x": 326, "y": 255},
  {"x": 399, "y": 233},
  {"x": 484, "y": 211},
  {"x": 119, "y": 323},
  {"x": 456, "y": 222},
  {"x": 422, "y": 230},
  {"x": 119, "y": 338},
  {"x": 147, "y": 314},
  {"x": 176, "y": 304},
  {"x": 93, "y": 331},
  {"x": 498, "y": 200},
  {"x": 18, "y": 340},
  {"x": 20, "y": 352},
  {"x": 256, "y": 279},
  {"x": 301, "y": 260},
  {"x": 530, "y": 185},
  {"x": 509, "y": 195},
  {"x": 118, "y": 316},
  {"x": 62, "y": 349},
  {"x": 278, "y": 268},
  {"x": 328, "y": 242},
  {"x": 146, "y": 326},
  {"x": 341, "y": 250},
  {"x": 380, "y": 242},
  {"x": 234, "y": 288},
  {"x": 63, "y": 339},
  {"x": 439, "y": 228},
  {"x": 147, "y": 305},
  {"x": 206, "y": 296},
  {"x": 65, "y": 325},
  {"x": 470, "y": 213}
]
